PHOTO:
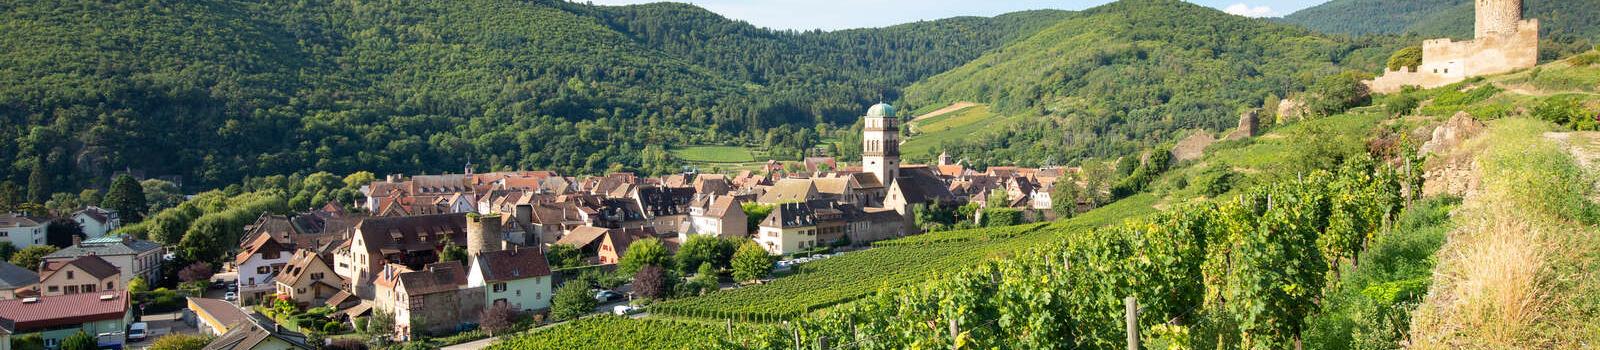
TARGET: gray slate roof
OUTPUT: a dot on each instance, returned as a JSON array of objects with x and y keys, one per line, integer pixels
[
  {"x": 13, "y": 276},
  {"x": 105, "y": 246}
]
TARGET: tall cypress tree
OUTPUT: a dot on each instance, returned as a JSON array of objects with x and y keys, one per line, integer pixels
[
  {"x": 126, "y": 197},
  {"x": 38, "y": 183}
]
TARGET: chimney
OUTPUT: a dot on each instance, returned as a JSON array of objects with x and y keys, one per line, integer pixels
[{"x": 76, "y": 240}]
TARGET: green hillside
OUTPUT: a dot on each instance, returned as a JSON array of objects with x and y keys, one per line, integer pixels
[
  {"x": 218, "y": 90},
  {"x": 1117, "y": 78},
  {"x": 1564, "y": 21}
]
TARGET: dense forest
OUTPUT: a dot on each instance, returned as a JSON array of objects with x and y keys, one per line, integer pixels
[
  {"x": 217, "y": 90},
  {"x": 1566, "y": 26},
  {"x": 1121, "y": 77}
]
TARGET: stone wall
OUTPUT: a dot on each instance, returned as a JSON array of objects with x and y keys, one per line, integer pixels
[{"x": 1445, "y": 61}]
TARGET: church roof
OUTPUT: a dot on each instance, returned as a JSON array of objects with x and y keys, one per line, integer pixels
[{"x": 881, "y": 110}]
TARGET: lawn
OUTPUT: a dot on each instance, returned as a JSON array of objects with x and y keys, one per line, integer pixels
[{"x": 715, "y": 154}]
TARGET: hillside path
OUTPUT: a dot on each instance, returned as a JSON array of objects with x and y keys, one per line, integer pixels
[{"x": 946, "y": 110}]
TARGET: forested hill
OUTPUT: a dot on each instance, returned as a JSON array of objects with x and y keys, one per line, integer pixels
[
  {"x": 216, "y": 90},
  {"x": 1123, "y": 76},
  {"x": 1562, "y": 19}
]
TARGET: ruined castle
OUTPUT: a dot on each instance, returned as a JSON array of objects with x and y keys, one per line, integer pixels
[{"x": 1503, "y": 42}]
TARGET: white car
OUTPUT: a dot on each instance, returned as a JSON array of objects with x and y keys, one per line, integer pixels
[
  {"x": 230, "y": 296},
  {"x": 624, "y": 310},
  {"x": 138, "y": 330}
]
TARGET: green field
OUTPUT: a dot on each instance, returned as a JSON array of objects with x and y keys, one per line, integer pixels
[
  {"x": 715, "y": 154},
  {"x": 958, "y": 124}
]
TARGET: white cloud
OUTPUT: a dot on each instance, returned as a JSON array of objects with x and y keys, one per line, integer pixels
[{"x": 1250, "y": 11}]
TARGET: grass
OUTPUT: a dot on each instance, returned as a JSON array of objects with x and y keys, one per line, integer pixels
[
  {"x": 959, "y": 124},
  {"x": 1557, "y": 76},
  {"x": 1369, "y": 307},
  {"x": 715, "y": 154},
  {"x": 1519, "y": 273}
]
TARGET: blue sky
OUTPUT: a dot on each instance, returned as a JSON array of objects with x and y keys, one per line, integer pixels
[{"x": 843, "y": 14}]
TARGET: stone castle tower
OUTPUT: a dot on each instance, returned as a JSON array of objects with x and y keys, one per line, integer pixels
[
  {"x": 880, "y": 143},
  {"x": 483, "y": 234},
  {"x": 1498, "y": 17}
]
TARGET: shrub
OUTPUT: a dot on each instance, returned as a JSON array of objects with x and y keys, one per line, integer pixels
[
  {"x": 179, "y": 341},
  {"x": 332, "y": 327},
  {"x": 346, "y": 344},
  {"x": 1587, "y": 59},
  {"x": 1400, "y": 104},
  {"x": 571, "y": 301},
  {"x": 1410, "y": 57}
]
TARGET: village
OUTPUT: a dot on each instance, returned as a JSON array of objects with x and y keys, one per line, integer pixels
[{"x": 436, "y": 255}]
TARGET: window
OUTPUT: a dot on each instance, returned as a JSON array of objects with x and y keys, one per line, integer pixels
[
  {"x": 54, "y": 289},
  {"x": 316, "y": 276},
  {"x": 111, "y": 285},
  {"x": 263, "y": 270},
  {"x": 499, "y": 287},
  {"x": 69, "y": 275},
  {"x": 88, "y": 288}
]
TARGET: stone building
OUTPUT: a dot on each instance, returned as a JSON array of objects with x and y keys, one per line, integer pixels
[{"x": 1503, "y": 42}]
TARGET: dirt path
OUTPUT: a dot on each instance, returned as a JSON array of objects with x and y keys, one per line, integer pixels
[
  {"x": 1524, "y": 89},
  {"x": 947, "y": 110}
]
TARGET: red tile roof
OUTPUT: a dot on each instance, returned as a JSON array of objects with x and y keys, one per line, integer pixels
[{"x": 64, "y": 310}]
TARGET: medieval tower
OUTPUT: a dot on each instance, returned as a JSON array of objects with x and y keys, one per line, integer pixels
[
  {"x": 880, "y": 143},
  {"x": 1498, "y": 17},
  {"x": 483, "y": 234}
]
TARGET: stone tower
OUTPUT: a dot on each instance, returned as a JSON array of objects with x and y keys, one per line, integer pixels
[
  {"x": 483, "y": 234},
  {"x": 1498, "y": 17},
  {"x": 880, "y": 148}
]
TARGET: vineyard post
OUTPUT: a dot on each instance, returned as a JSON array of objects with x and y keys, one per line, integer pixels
[
  {"x": 796, "y": 332},
  {"x": 955, "y": 333},
  {"x": 822, "y": 342},
  {"x": 730, "y": 328},
  {"x": 1132, "y": 316}
]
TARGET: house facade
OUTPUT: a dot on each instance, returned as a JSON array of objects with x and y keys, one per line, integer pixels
[
  {"x": 716, "y": 215},
  {"x": 96, "y": 221},
  {"x": 132, "y": 257},
  {"x": 22, "y": 230},
  {"x": 790, "y": 228},
  {"x": 433, "y": 300},
  {"x": 308, "y": 279},
  {"x": 257, "y": 264},
  {"x": 518, "y": 278},
  {"x": 87, "y": 274}
]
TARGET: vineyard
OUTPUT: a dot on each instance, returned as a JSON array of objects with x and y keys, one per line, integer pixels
[
  {"x": 623, "y": 333},
  {"x": 849, "y": 277},
  {"x": 1240, "y": 273},
  {"x": 982, "y": 234}
]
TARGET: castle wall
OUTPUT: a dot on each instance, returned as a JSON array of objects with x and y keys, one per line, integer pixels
[{"x": 1446, "y": 62}]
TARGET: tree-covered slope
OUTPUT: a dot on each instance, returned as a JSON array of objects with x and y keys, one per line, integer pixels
[
  {"x": 1126, "y": 75},
  {"x": 217, "y": 90},
  {"x": 1452, "y": 18}
]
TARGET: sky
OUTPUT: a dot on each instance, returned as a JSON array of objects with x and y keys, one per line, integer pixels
[{"x": 845, "y": 14}]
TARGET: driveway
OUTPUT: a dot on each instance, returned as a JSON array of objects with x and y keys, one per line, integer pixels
[{"x": 161, "y": 325}]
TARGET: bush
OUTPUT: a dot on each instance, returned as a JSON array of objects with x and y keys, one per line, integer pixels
[
  {"x": 1587, "y": 59},
  {"x": 179, "y": 341},
  {"x": 571, "y": 301},
  {"x": 998, "y": 217},
  {"x": 346, "y": 344},
  {"x": 1410, "y": 57},
  {"x": 332, "y": 327},
  {"x": 1400, "y": 104},
  {"x": 1334, "y": 94}
]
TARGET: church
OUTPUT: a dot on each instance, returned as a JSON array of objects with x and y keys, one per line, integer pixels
[{"x": 880, "y": 156}]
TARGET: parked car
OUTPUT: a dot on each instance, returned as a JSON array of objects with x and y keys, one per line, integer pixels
[
  {"x": 606, "y": 296},
  {"x": 230, "y": 296},
  {"x": 138, "y": 330},
  {"x": 624, "y": 310}
]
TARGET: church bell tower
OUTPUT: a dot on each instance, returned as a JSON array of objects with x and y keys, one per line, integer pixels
[{"x": 880, "y": 149}]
